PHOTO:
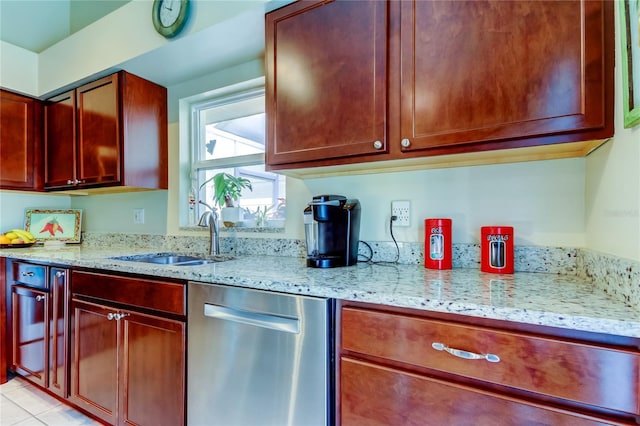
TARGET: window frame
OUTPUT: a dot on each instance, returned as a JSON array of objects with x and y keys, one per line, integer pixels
[{"x": 197, "y": 138}]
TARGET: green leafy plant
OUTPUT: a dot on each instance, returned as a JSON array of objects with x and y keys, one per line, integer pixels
[
  {"x": 260, "y": 214},
  {"x": 227, "y": 188}
]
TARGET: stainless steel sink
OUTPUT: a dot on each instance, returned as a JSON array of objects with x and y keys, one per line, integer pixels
[{"x": 174, "y": 259}]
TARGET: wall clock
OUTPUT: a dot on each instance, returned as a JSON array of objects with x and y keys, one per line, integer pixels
[{"x": 170, "y": 16}]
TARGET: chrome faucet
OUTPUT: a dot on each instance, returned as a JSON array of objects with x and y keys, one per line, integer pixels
[{"x": 210, "y": 219}]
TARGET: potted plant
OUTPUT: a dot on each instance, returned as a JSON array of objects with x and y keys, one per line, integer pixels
[
  {"x": 276, "y": 217},
  {"x": 226, "y": 190}
]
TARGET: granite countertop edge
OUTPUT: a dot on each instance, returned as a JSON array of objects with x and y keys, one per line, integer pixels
[{"x": 532, "y": 298}]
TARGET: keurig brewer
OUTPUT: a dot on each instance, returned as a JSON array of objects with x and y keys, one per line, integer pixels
[{"x": 332, "y": 228}]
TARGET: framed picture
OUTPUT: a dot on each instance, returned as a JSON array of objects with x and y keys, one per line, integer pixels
[
  {"x": 630, "y": 38},
  {"x": 56, "y": 225}
]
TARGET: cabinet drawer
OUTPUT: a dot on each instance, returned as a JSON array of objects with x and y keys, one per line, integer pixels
[
  {"x": 136, "y": 292},
  {"x": 29, "y": 274},
  {"x": 578, "y": 372},
  {"x": 370, "y": 396}
]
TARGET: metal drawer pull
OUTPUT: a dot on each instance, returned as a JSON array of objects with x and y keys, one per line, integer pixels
[
  {"x": 464, "y": 354},
  {"x": 39, "y": 298},
  {"x": 111, "y": 316},
  {"x": 59, "y": 274},
  {"x": 28, "y": 274}
]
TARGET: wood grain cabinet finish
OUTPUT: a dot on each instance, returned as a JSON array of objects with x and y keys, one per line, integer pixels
[
  {"x": 128, "y": 366},
  {"x": 30, "y": 308},
  {"x": 375, "y": 395},
  {"x": 326, "y": 80},
  {"x": 444, "y": 78},
  {"x": 110, "y": 132},
  {"x": 483, "y": 71},
  {"x": 587, "y": 378},
  {"x": 39, "y": 319},
  {"x": 58, "y": 364},
  {"x": 20, "y": 142},
  {"x": 4, "y": 343}
]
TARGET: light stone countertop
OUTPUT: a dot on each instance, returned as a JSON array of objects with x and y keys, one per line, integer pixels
[{"x": 534, "y": 298}]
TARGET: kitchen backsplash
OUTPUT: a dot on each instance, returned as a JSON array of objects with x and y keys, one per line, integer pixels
[{"x": 618, "y": 277}]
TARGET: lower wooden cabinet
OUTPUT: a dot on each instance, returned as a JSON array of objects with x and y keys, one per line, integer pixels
[
  {"x": 39, "y": 324},
  {"x": 375, "y": 395},
  {"x": 30, "y": 333},
  {"x": 127, "y": 366},
  {"x": 407, "y": 367}
]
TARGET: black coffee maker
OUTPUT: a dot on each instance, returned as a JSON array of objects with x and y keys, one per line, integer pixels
[{"x": 332, "y": 228}]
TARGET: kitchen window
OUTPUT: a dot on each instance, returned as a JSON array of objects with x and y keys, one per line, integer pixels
[{"x": 228, "y": 135}]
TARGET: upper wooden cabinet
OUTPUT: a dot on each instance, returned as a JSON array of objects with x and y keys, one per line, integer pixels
[
  {"x": 483, "y": 71},
  {"x": 20, "y": 142},
  {"x": 110, "y": 132},
  {"x": 327, "y": 77},
  {"x": 428, "y": 78}
]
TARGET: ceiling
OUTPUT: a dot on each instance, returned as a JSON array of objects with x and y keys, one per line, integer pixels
[{"x": 36, "y": 25}]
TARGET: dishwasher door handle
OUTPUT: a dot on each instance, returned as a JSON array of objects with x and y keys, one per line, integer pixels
[{"x": 274, "y": 322}]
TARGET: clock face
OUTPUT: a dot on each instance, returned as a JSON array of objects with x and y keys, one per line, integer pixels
[
  {"x": 169, "y": 12},
  {"x": 170, "y": 16}
]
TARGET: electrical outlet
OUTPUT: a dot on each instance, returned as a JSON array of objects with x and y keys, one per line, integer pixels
[
  {"x": 138, "y": 216},
  {"x": 402, "y": 211}
]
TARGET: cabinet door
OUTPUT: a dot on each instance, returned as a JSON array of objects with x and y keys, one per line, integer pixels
[
  {"x": 30, "y": 330},
  {"x": 99, "y": 137},
  {"x": 326, "y": 80},
  {"x": 152, "y": 371},
  {"x": 487, "y": 71},
  {"x": 375, "y": 395},
  {"x": 58, "y": 337},
  {"x": 94, "y": 363},
  {"x": 60, "y": 141},
  {"x": 20, "y": 138},
  {"x": 3, "y": 323}
]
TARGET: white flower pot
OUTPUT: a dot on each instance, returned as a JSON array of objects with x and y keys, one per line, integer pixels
[{"x": 231, "y": 216}]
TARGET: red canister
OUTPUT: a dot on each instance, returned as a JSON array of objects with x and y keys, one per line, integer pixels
[
  {"x": 437, "y": 243},
  {"x": 496, "y": 249}
]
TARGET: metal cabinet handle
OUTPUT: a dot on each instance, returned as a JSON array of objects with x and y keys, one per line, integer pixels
[
  {"x": 28, "y": 274},
  {"x": 377, "y": 145},
  {"x": 111, "y": 316},
  {"x": 406, "y": 143},
  {"x": 464, "y": 354},
  {"x": 59, "y": 274},
  {"x": 39, "y": 298},
  {"x": 69, "y": 182}
]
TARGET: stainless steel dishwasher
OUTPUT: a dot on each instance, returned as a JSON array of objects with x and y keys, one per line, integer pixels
[{"x": 258, "y": 358}]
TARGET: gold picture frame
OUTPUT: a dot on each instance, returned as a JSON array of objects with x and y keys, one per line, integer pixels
[
  {"x": 630, "y": 52},
  {"x": 54, "y": 225}
]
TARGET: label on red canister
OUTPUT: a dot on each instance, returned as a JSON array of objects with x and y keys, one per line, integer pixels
[
  {"x": 496, "y": 247},
  {"x": 437, "y": 244}
]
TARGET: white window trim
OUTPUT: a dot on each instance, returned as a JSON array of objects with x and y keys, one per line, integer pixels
[{"x": 196, "y": 129}]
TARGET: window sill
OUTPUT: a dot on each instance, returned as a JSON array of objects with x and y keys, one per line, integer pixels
[{"x": 224, "y": 229}]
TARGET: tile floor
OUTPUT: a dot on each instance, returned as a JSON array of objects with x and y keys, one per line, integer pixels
[{"x": 23, "y": 404}]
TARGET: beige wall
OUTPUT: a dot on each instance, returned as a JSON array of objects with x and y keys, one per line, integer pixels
[
  {"x": 612, "y": 210},
  {"x": 18, "y": 69}
]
